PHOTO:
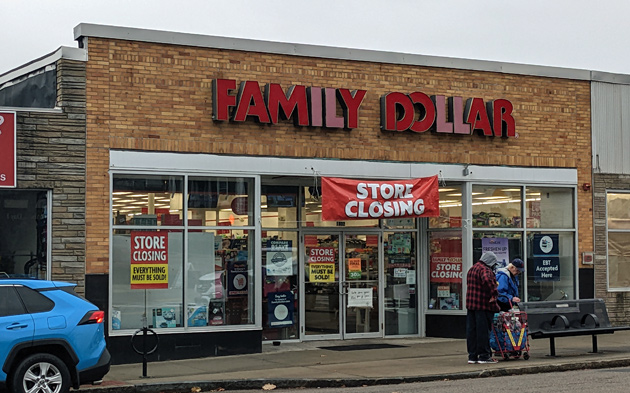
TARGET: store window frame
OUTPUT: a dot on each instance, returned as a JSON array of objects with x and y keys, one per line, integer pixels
[
  {"x": 253, "y": 228},
  {"x": 524, "y": 229},
  {"x": 608, "y": 231},
  {"x": 426, "y": 229},
  {"x": 47, "y": 239}
]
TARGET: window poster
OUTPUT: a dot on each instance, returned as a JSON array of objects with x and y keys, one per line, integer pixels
[
  {"x": 446, "y": 261},
  {"x": 360, "y": 297},
  {"x": 279, "y": 258},
  {"x": 237, "y": 278},
  {"x": 499, "y": 246},
  {"x": 281, "y": 308},
  {"x": 149, "y": 260},
  {"x": 546, "y": 252},
  {"x": 354, "y": 268},
  {"x": 321, "y": 262}
]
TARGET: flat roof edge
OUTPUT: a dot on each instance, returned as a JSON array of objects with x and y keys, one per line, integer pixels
[
  {"x": 329, "y": 52},
  {"x": 607, "y": 77},
  {"x": 63, "y": 52}
]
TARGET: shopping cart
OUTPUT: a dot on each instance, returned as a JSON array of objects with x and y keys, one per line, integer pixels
[{"x": 508, "y": 338}]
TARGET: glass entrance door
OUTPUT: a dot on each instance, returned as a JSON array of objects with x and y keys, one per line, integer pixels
[
  {"x": 341, "y": 285},
  {"x": 361, "y": 285},
  {"x": 321, "y": 286}
]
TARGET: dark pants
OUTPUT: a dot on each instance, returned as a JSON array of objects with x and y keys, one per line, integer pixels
[{"x": 478, "y": 323}]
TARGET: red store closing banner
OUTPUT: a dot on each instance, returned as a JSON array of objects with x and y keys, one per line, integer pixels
[
  {"x": 346, "y": 199},
  {"x": 7, "y": 150}
]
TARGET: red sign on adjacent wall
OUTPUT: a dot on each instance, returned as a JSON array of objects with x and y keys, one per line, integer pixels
[
  {"x": 346, "y": 199},
  {"x": 7, "y": 150}
]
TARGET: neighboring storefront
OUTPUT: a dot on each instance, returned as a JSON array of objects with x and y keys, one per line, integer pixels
[
  {"x": 611, "y": 194},
  {"x": 42, "y": 168},
  {"x": 207, "y": 214}
]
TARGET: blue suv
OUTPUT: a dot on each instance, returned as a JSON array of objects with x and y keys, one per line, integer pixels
[{"x": 51, "y": 339}]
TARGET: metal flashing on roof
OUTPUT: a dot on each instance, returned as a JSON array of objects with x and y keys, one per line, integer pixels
[
  {"x": 607, "y": 77},
  {"x": 205, "y": 41},
  {"x": 34, "y": 67}
]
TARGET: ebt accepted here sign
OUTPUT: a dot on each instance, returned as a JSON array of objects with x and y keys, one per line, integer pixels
[{"x": 7, "y": 150}]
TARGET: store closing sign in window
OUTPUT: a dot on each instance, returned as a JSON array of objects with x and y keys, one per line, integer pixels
[{"x": 149, "y": 260}]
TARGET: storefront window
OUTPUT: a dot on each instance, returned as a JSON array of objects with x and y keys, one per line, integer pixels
[
  {"x": 147, "y": 201},
  {"x": 23, "y": 233},
  {"x": 147, "y": 279},
  {"x": 496, "y": 206},
  {"x": 550, "y": 265},
  {"x": 312, "y": 213},
  {"x": 280, "y": 285},
  {"x": 445, "y": 270},
  {"x": 549, "y": 207},
  {"x": 279, "y": 206},
  {"x": 618, "y": 241},
  {"x": 220, "y": 201},
  {"x": 450, "y": 208},
  {"x": 618, "y": 208},
  {"x": 211, "y": 284},
  {"x": 401, "y": 298}
]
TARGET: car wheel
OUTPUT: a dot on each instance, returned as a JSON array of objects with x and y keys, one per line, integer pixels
[{"x": 41, "y": 373}]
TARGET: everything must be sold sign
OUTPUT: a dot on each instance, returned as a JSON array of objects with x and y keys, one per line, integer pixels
[
  {"x": 149, "y": 260},
  {"x": 7, "y": 150},
  {"x": 321, "y": 262},
  {"x": 346, "y": 199}
]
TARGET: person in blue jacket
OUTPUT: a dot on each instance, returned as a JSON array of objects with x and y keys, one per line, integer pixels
[{"x": 507, "y": 278}]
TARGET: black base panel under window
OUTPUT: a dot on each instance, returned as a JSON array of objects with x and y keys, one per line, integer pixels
[
  {"x": 187, "y": 346},
  {"x": 587, "y": 283},
  {"x": 361, "y": 347},
  {"x": 447, "y": 326}
]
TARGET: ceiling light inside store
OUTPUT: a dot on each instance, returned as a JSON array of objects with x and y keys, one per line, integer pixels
[
  {"x": 451, "y": 205},
  {"x": 492, "y": 197}
]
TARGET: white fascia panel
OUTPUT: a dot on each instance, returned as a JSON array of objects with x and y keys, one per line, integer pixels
[{"x": 276, "y": 166}]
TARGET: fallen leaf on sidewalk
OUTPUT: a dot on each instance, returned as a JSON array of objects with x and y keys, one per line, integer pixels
[
  {"x": 269, "y": 386},
  {"x": 195, "y": 389}
]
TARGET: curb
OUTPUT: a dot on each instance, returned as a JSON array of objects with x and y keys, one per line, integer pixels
[{"x": 251, "y": 384}]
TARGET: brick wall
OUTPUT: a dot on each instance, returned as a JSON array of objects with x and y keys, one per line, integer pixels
[
  {"x": 51, "y": 156},
  {"x": 144, "y": 96}
]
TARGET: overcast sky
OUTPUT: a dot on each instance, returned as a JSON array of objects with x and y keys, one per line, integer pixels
[{"x": 579, "y": 34}]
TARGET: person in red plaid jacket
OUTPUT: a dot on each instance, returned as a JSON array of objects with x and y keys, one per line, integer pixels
[{"x": 481, "y": 304}]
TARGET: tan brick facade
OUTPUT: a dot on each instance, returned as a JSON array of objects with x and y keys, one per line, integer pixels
[{"x": 144, "y": 96}]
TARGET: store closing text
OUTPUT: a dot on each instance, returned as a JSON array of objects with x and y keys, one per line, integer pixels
[{"x": 398, "y": 201}]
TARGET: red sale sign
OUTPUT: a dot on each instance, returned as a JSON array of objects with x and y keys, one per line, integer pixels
[
  {"x": 446, "y": 261},
  {"x": 149, "y": 260},
  {"x": 7, "y": 150},
  {"x": 345, "y": 199}
]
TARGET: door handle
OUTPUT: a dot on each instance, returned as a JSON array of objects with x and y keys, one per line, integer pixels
[{"x": 16, "y": 326}]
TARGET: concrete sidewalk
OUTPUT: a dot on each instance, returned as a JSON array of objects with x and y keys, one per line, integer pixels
[{"x": 390, "y": 361}]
